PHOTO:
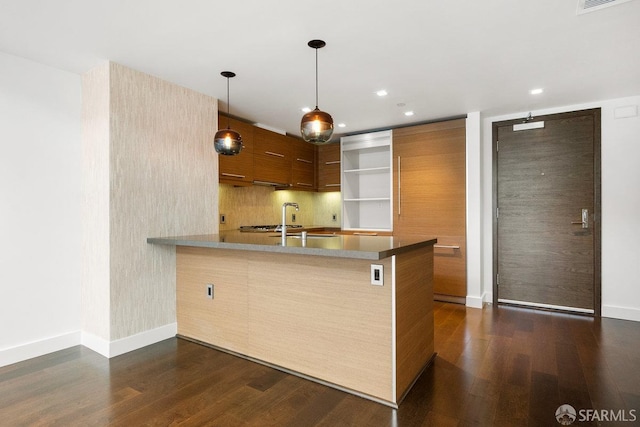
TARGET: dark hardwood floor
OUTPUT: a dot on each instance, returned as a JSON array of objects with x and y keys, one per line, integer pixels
[{"x": 495, "y": 367}]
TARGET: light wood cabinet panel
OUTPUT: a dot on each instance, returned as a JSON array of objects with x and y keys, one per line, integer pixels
[
  {"x": 271, "y": 157},
  {"x": 303, "y": 164},
  {"x": 430, "y": 196},
  {"x": 323, "y": 319},
  {"x": 329, "y": 167},
  {"x": 414, "y": 318},
  {"x": 237, "y": 170},
  {"x": 221, "y": 320}
]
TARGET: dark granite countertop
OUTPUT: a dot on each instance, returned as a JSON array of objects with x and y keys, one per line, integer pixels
[{"x": 341, "y": 246}]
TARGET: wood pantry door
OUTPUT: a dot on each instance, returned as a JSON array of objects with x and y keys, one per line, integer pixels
[
  {"x": 548, "y": 209},
  {"x": 430, "y": 198}
]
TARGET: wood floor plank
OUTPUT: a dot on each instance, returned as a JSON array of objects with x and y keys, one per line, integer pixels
[{"x": 501, "y": 366}]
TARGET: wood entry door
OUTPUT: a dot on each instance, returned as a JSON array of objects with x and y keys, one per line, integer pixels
[{"x": 548, "y": 212}]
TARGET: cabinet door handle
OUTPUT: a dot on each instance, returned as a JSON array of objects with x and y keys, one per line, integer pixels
[
  {"x": 365, "y": 234},
  {"x": 399, "y": 188},
  {"x": 335, "y": 162},
  {"x": 271, "y": 153},
  {"x": 332, "y": 185},
  {"x": 304, "y": 160},
  {"x": 304, "y": 184},
  {"x": 232, "y": 175},
  {"x": 446, "y": 246}
]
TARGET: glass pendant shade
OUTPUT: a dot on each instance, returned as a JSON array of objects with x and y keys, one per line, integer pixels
[
  {"x": 316, "y": 127},
  {"x": 227, "y": 142}
]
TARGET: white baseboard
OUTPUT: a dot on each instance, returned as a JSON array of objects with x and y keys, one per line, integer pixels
[
  {"x": 101, "y": 346},
  {"x": 475, "y": 301},
  {"x": 623, "y": 313},
  {"x": 124, "y": 345},
  {"x": 39, "y": 348}
]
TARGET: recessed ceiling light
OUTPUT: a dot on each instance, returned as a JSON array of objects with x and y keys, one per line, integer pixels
[
  {"x": 381, "y": 92},
  {"x": 341, "y": 125},
  {"x": 537, "y": 91},
  {"x": 306, "y": 109},
  {"x": 408, "y": 113}
]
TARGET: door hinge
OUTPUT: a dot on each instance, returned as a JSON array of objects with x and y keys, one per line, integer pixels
[
  {"x": 498, "y": 279},
  {"x": 497, "y": 212},
  {"x": 497, "y": 146}
]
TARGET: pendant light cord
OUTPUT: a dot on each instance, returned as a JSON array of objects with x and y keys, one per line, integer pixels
[
  {"x": 228, "y": 106},
  {"x": 316, "y": 78}
]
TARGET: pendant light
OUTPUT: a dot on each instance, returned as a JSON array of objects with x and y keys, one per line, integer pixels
[
  {"x": 316, "y": 126},
  {"x": 227, "y": 141}
]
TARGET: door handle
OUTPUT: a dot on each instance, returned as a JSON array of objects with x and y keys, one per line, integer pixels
[
  {"x": 399, "y": 189},
  {"x": 585, "y": 219}
]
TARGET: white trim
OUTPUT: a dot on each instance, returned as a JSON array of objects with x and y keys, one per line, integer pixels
[
  {"x": 473, "y": 220},
  {"x": 394, "y": 364},
  {"x": 101, "y": 346},
  {"x": 95, "y": 343},
  {"x": 124, "y": 345},
  {"x": 474, "y": 301},
  {"x": 554, "y": 307},
  {"x": 623, "y": 313},
  {"x": 38, "y": 348},
  {"x": 143, "y": 339}
]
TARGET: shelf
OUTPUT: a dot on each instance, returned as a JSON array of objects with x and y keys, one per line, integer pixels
[
  {"x": 368, "y": 170},
  {"x": 367, "y": 181}
]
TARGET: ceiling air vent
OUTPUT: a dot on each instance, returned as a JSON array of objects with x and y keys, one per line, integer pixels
[{"x": 585, "y": 6}]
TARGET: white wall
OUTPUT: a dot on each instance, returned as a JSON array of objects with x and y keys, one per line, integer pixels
[
  {"x": 620, "y": 205},
  {"x": 40, "y": 173}
]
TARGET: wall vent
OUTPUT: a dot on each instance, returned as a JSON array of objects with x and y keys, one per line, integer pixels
[{"x": 585, "y": 6}]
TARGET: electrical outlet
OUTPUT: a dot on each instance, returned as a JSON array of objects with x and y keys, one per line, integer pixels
[
  {"x": 377, "y": 274},
  {"x": 334, "y": 217},
  {"x": 210, "y": 291},
  {"x": 223, "y": 218},
  {"x": 293, "y": 217}
]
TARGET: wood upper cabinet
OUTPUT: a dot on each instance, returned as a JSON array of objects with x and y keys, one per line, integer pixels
[
  {"x": 430, "y": 196},
  {"x": 238, "y": 169},
  {"x": 303, "y": 164},
  {"x": 328, "y": 172},
  {"x": 272, "y": 154}
]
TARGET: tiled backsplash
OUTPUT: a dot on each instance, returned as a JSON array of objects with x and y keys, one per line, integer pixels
[{"x": 256, "y": 205}]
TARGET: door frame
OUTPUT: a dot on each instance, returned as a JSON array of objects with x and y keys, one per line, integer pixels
[{"x": 597, "y": 208}]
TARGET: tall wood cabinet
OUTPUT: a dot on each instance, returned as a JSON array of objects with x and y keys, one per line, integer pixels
[{"x": 430, "y": 197}]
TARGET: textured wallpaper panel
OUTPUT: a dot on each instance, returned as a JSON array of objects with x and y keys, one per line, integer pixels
[
  {"x": 95, "y": 282},
  {"x": 163, "y": 181}
]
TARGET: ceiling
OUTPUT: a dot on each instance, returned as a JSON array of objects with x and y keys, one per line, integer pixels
[{"x": 437, "y": 58}]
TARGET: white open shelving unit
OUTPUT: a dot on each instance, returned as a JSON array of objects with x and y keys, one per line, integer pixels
[{"x": 366, "y": 172}]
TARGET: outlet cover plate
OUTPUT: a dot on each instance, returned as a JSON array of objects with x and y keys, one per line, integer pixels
[{"x": 377, "y": 274}]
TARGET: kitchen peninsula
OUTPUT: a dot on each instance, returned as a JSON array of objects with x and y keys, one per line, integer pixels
[{"x": 352, "y": 312}]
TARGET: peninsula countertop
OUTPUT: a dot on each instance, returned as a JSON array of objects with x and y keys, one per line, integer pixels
[{"x": 330, "y": 245}]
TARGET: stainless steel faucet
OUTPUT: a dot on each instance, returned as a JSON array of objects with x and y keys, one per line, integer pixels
[{"x": 284, "y": 220}]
